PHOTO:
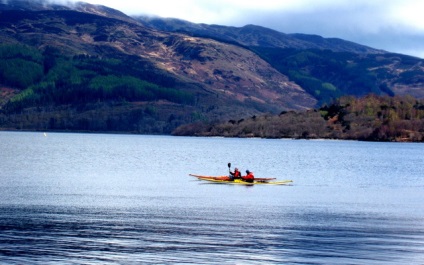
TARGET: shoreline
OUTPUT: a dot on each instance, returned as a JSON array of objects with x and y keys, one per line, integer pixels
[{"x": 205, "y": 136}]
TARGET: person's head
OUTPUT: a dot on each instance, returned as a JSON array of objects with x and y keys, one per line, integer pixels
[
  {"x": 247, "y": 171},
  {"x": 236, "y": 169}
]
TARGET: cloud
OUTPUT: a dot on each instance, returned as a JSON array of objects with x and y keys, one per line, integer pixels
[
  {"x": 394, "y": 25},
  {"x": 409, "y": 14}
]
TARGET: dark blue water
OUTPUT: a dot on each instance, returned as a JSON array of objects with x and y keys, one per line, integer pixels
[{"x": 126, "y": 199}]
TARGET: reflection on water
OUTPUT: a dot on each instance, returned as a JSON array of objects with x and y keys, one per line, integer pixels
[
  {"x": 122, "y": 199},
  {"x": 73, "y": 235}
]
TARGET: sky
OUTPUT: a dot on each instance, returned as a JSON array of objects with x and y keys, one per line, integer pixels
[{"x": 391, "y": 25}]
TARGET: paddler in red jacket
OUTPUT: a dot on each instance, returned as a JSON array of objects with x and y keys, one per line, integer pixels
[
  {"x": 235, "y": 175},
  {"x": 249, "y": 177}
]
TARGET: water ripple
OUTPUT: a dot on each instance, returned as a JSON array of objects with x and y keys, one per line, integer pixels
[{"x": 43, "y": 235}]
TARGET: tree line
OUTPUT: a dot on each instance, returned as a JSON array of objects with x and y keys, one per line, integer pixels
[{"x": 369, "y": 118}]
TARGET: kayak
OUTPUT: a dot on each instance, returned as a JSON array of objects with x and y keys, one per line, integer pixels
[
  {"x": 241, "y": 182},
  {"x": 226, "y": 177},
  {"x": 226, "y": 180}
]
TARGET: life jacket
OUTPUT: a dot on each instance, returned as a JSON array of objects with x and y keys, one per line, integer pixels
[
  {"x": 237, "y": 174},
  {"x": 249, "y": 176}
]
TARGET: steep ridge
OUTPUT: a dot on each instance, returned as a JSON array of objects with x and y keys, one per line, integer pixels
[
  {"x": 43, "y": 5},
  {"x": 256, "y": 36}
]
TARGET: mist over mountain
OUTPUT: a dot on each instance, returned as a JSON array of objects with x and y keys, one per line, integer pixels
[{"x": 89, "y": 67}]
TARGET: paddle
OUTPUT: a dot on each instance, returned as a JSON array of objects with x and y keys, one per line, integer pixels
[{"x": 229, "y": 167}]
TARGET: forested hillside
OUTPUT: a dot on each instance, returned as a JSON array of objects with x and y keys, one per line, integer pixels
[
  {"x": 51, "y": 79},
  {"x": 370, "y": 118},
  {"x": 328, "y": 75},
  {"x": 63, "y": 87}
]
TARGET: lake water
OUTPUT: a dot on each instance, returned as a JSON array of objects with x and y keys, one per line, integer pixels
[{"x": 128, "y": 199}]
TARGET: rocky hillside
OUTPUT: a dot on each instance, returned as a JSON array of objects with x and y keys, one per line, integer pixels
[{"x": 327, "y": 68}]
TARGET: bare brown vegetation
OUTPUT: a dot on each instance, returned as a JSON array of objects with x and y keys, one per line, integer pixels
[{"x": 370, "y": 118}]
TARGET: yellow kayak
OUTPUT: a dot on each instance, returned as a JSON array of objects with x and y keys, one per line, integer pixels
[
  {"x": 222, "y": 180},
  {"x": 226, "y": 177}
]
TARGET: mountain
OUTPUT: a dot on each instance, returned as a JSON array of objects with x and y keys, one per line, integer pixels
[
  {"x": 255, "y": 36},
  {"x": 92, "y": 68},
  {"x": 44, "y": 5},
  {"x": 222, "y": 80},
  {"x": 327, "y": 68},
  {"x": 219, "y": 68}
]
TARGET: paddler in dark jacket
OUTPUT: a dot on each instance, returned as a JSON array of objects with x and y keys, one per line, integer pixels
[
  {"x": 249, "y": 177},
  {"x": 235, "y": 175}
]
